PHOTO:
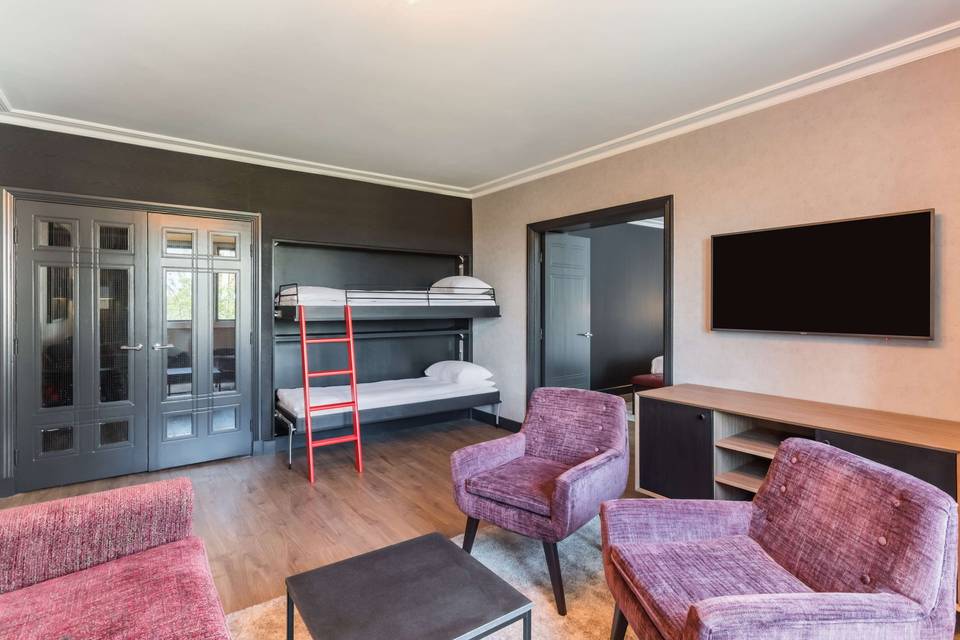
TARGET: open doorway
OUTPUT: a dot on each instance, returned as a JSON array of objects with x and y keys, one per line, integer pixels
[{"x": 600, "y": 286}]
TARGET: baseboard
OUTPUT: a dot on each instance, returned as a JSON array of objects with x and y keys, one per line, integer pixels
[
  {"x": 617, "y": 391},
  {"x": 264, "y": 447},
  {"x": 489, "y": 418}
]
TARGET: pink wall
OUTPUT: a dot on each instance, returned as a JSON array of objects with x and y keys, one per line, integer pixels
[{"x": 885, "y": 143}]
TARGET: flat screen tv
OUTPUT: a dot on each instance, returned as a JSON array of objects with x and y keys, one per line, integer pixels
[{"x": 861, "y": 277}]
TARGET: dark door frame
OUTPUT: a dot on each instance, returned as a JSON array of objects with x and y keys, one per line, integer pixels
[{"x": 652, "y": 208}]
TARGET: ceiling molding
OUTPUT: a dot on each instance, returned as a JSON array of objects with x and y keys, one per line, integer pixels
[
  {"x": 899, "y": 53},
  {"x": 131, "y": 136}
]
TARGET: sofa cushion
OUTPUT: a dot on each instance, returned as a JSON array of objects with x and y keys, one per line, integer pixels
[
  {"x": 668, "y": 577},
  {"x": 163, "y": 593},
  {"x": 526, "y": 483}
]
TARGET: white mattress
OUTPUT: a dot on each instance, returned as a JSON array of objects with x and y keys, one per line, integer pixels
[
  {"x": 386, "y": 393},
  {"x": 328, "y": 297}
]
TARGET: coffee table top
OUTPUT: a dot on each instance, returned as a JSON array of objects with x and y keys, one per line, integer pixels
[{"x": 425, "y": 588}]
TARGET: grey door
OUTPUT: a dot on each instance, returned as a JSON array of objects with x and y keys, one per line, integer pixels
[
  {"x": 566, "y": 317},
  {"x": 81, "y": 325},
  {"x": 200, "y": 399}
]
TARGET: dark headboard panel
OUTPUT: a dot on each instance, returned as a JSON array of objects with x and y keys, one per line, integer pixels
[
  {"x": 346, "y": 267},
  {"x": 377, "y": 359}
]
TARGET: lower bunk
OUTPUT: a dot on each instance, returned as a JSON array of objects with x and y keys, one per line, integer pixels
[{"x": 382, "y": 401}]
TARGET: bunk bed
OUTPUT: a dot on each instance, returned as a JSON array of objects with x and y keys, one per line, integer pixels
[
  {"x": 437, "y": 301},
  {"x": 400, "y": 330}
]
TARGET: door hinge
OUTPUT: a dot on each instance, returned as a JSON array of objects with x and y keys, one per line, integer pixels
[
  {"x": 251, "y": 249},
  {"x": 16, "y": 346},
  {"x": 16, "y": 457},
  {"x": 541, "y": 257},
  {"x": 251, "y": 337},
  {"x": 541, "y": 333},
  {"x": 16, "y": 235}
]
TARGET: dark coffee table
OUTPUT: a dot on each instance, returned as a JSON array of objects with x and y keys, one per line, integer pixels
[{"x": 425, "y": 589}]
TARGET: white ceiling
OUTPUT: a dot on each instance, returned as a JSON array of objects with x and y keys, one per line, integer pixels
[{"x": 456, "y": 96}]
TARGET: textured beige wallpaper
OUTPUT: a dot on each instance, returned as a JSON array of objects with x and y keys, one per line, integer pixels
[{"x": 886, "y": 143}]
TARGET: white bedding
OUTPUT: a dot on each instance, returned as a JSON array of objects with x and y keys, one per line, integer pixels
[
  {"x": 386, "y": 393},
  {"x": 329, "y": 297}
]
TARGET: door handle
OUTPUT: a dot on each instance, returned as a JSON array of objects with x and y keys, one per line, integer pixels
[
  {"x": 587, "y": 334},
  {"x": 159, "y": 347},
  {"x": 126, "y": 347}
]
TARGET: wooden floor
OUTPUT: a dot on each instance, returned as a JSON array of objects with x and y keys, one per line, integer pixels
[{"x": 261, "y": 522}]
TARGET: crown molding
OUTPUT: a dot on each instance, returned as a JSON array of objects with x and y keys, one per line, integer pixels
[
  {"x": 893, "y": 55},
  {"x": 63, "y": 124}
]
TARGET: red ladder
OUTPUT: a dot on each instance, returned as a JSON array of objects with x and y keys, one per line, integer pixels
[{"x": 308, "y": 375}]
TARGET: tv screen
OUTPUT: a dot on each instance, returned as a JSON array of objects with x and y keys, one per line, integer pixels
[{"x": 867, "y": 276}]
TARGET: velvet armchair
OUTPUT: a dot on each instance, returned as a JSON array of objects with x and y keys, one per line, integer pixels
[
  {"x": 833, "y": 547},
  {"x": 548, "y": 480}
]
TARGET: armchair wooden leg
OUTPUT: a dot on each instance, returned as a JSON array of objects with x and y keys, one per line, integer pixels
[
  {"x": 470, "y": 534},
  {"x": 619, "y": 629},
  {"x": 553, "y": 565}
]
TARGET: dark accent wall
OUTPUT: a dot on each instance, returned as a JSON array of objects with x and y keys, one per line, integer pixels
[
  {"x": 626, "y": 301},
  {"x": 293, "y": 205}
]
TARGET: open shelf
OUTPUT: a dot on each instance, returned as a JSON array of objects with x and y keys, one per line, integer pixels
[
  {"x": 762, "y": 443},
  {"x": 748, "y": 477}
]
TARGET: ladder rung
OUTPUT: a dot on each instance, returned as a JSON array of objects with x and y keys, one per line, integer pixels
[
  {"x": 326, "y": 340},
  {"x": 334, "y": 405},
  {"x": 337, "y": 440},
  {"x": 321, "y": 374}
]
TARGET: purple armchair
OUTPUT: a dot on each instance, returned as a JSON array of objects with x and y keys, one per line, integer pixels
[
  {"x": 548, "y": 480},
  {"x": 833, "y": 547}
]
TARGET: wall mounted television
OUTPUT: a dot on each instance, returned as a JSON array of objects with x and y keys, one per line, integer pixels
[{"x": 858, "y": 277}]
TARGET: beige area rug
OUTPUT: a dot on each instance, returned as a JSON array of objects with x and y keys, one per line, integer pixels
[{"x": 520, "y": 562}]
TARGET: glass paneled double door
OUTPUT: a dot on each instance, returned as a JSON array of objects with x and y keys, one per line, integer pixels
[{"x": 133, "y": 341}]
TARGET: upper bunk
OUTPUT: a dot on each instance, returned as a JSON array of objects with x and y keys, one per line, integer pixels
[{"x": 454, "y": 297}]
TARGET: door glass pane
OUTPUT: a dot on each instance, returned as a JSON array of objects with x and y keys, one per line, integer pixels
[
  {"x": 114, "y": 310},
  {"x": 114, "y": 238},
  {"x": 56, "y": 333},
  {"x": 178, "y": 243},
  {"x": 224, "y": 419},
  {"x": 116, "y": 432},
  {"x": 179, "y": 313},
  {"x": 51, "y": 233},
  {"x": 223, "y": 245},
  {"x": 225, "y": 333},
  {"x": 56, "y": 439},
  {"x": 179, "y": 426}
]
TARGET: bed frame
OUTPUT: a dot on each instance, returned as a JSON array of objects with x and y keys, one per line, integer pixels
[
  {"x": 327, "y": 422},
  {"x": 287, "y": 301}
]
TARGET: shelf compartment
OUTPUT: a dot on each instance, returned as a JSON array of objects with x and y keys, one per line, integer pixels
[
  {"x": 762, "y": 443},
  {"x": 748, "y": 477}
]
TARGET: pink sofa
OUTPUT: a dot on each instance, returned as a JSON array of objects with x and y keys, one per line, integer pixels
[{"x": 118, "y": 564}]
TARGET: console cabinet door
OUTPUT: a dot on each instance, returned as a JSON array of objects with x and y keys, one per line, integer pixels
[
  {"x": 674, "y": 449},
  {"x": 939, "y": 468}
]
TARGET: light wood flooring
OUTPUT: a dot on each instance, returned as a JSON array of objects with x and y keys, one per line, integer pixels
[{"x": 261, "y": 522}]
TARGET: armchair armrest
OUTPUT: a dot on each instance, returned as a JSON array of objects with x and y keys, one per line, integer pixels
[
  {"x": 469, "y": 461},
  {"x": 51, "y": 539},
  {"x": 652, "y": 520},
  {"x": 580, "y": 490},
  {"x": 797, "y": 616}
]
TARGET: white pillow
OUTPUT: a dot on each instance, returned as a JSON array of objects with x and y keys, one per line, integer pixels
[
  {"x": 656, "y": 366},
  {"x": 458, "y": 372},
  {"x": 459, "y": 284}
]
